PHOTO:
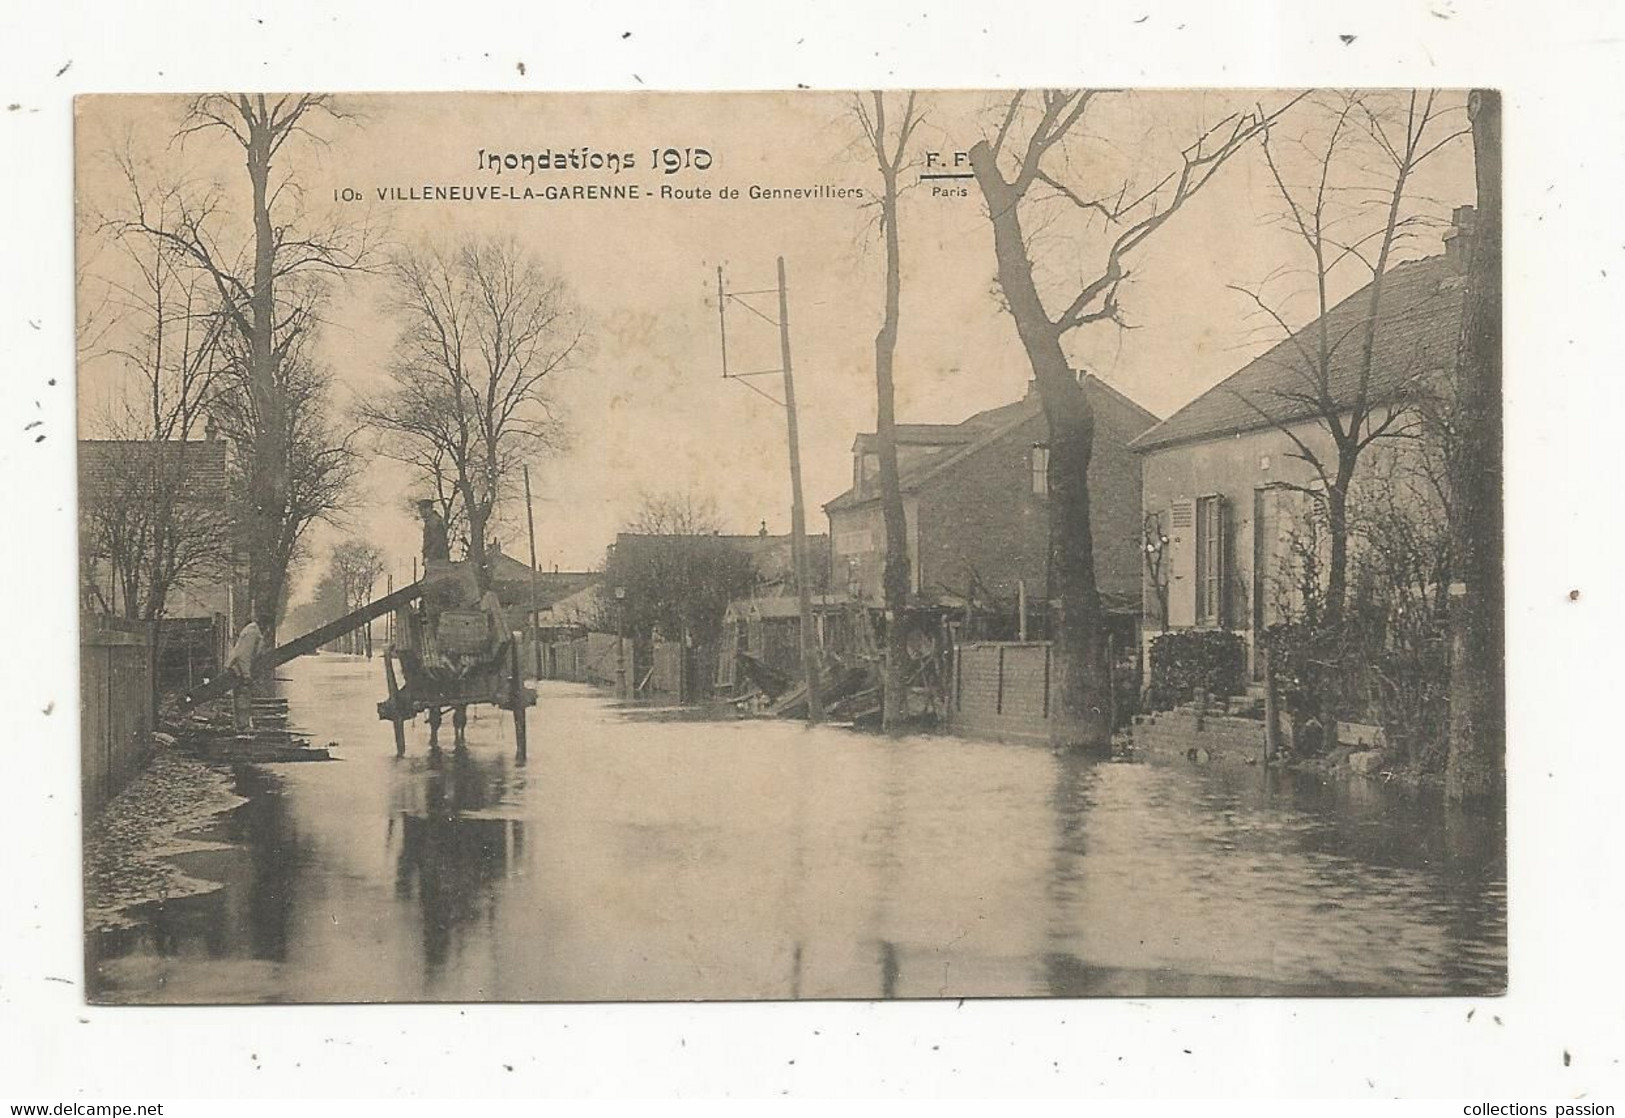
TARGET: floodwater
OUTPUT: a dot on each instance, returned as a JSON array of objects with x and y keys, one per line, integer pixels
[{"x": 639, "y": 857}]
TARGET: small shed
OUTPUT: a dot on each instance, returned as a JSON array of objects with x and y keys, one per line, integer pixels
[{"x": 769, "y": 630}]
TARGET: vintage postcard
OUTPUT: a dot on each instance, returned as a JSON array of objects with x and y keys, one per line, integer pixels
[{"x": 657, "y": 546}]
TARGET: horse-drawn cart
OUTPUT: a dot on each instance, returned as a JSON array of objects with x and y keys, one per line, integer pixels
[{"x": 451, "y": 656}]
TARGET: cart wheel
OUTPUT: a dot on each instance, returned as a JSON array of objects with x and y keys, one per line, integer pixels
[{"x": 395, "y": 706}]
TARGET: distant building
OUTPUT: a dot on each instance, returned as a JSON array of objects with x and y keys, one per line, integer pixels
[
  {"x": 975, "y": 497},
  {"x": 772, "y": 558},
  {"x": 1227, "y": 484},
  {"x": 115, "y": 474},
  {"x": 138, "y": 497},
  {"x": 511, "y": 579},
  {"x": 726, "y": 610}
]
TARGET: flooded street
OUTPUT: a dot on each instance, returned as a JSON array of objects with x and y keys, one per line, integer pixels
[{"x": 635, "y": 857}]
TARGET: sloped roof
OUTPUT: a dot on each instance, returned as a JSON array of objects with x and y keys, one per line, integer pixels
[
  {"x": 573, "y": 609},
  {"x": 984, "y": 427},
  {"x": 511, "y": 579},
  {"x": 920, "y": 434},
  {"x": 197, "y": 467},
  {"x": 1417, "y": 328}
]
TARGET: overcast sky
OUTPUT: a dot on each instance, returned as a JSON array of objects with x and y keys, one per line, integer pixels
[{"x": 647, "y": 406}]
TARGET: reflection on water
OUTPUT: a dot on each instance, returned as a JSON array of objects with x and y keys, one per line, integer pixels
[
  {"x": 679, "y": 859},
  {"x": 450, "y": 860}
]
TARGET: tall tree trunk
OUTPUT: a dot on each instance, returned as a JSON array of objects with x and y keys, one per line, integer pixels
[
  {"x": 1080, "y": 684},
  {"x": 1337, "y": 526},
  {"x": 1475, "y": 765},
  {"x": 477, "y": 517},
  {"x": 896, "y": 576},
  {"x": 268, "y": 480}
]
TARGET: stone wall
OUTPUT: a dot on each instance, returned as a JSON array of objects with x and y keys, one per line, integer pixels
[{"x": 1185, "y": 731}]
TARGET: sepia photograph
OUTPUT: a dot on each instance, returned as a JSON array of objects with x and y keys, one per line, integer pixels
[{"x": 799, "y": 545}]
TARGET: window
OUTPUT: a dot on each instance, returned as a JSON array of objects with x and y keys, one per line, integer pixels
[
  {"x": 1041, "y": 469},
  {"x": 1210, "y": 561}
]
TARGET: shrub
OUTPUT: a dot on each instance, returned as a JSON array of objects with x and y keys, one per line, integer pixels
[
  {"x": 1363, "y": 672},
  {"x": 1192, "y": 660}
]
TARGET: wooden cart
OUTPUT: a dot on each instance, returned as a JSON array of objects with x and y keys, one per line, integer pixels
[{"x": 449, "y": 659}]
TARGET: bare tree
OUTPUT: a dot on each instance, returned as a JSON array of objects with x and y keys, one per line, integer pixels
[
  {"x": 677, "y": 570},
  {"x": 282, "y": 247},
  {"x": 889, "y": 146},
  {"x": 484, "y": 325},
  {"x": 321, "y": 463},
  {"x": 1154, "y": 543},
  {"x": 1366, "y": 153},
  {"x": 148, "y": 521},
  {"x": 1477, "y": 756},
  {"x": 356, "y": 566},
  {"x": 1024, "y": 164},
  {"x": 676, "y": 513},
  {"x": 146, "y": 512}
]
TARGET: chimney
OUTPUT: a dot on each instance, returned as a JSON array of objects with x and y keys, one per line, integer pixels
[
  {"x": 1032, "y": 387},
  {"x": 1458, "y": 242},
  {"x": 208, "y": 429}
]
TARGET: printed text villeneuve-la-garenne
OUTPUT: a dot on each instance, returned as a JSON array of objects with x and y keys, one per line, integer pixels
[{"x": 548, "y": 174}]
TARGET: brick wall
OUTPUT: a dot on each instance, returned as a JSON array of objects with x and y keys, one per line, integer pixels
[
  {"x": 1001, "y": 690},
  {"x": 982, "y": 516},
  {"x": 982, "y": 520}
]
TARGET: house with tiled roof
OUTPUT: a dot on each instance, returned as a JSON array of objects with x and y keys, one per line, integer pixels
[
  {"x": 194, "y": 473},
  {"x": 136, "y": 496},
  {"x": 520, "y": 589},
  {"x": 1225, "y": 482},
  {"x": 975, "y": 496}
]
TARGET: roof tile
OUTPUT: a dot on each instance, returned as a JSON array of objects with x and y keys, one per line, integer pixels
[{"x": 1417, "y": 328}]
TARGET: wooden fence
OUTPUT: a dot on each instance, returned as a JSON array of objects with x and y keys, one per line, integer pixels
[{"x": 116, "y": 703}]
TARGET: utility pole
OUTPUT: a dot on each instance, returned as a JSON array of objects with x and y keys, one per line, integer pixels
[
  {"x": 798, "y": 515},
  {"x": 530, "y": 521}
]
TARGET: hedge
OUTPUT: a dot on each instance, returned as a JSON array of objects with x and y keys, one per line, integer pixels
[{"x": 1191, "y": 660}]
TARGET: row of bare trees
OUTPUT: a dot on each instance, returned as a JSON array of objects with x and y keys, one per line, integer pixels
[
  {"x": 1356, "y": 207},
  {"x": 1037, "y": 156},
  {"x": 210, "y": 294}
]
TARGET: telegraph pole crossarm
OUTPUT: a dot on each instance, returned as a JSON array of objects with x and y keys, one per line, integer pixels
[{"x": 798, "y": 515}]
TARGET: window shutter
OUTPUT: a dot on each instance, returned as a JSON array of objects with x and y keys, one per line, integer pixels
[{"x": 1182, "y": 565}]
